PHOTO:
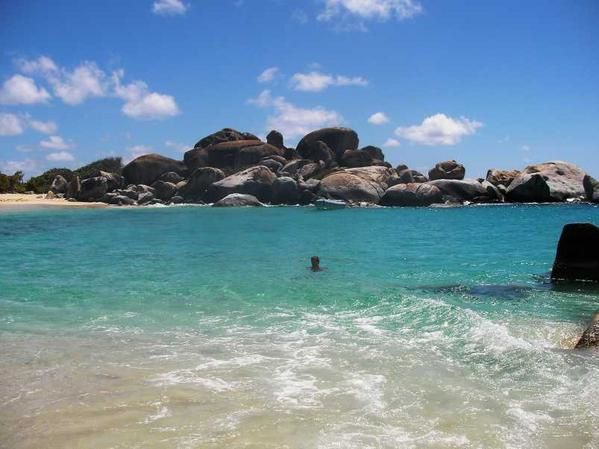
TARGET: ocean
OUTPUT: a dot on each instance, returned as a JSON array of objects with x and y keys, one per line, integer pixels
[{"x": 198, "y": 327}]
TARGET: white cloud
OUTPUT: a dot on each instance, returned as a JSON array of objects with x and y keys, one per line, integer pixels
[
  {"x": 55, "y": 143},
  {"x": 316, "y": 81},
  {"x": 60, "y": 156},
  {"x": 268, "y": 75},
  {"x": 43, "y": 65},
  {"x": 11, "y": 124},
  {"x": 370, "y": 9},
  {"x": 43, "y": 127},
  {"x": 20, "y": 89},
  {"x": 378, "y": 118},
  {"x": 293, "y": 121},
  {"x": 136, "y": 151},
  {"x": 169, "y": 7},
  {"x": 140, "y": 103},
  {"x": 10, "y": 167},
  {"x": 391, "y": 143},
  {"x": 439, "y": 129}
]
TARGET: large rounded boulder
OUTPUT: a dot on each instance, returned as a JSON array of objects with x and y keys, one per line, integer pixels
[
  {"x": 460, "y": 190},
  {"x": 59, "y": 184},
  {"x": 256, "y": 181},
  {"x": 222, "y": 155},
  {"x": 356, "y": 158},
  {"x": 347, "y": 186},
  {"x": 407, "y": 176},
  {"x": 148, "y": 168},
  {"x": 384, "y": 177},
  {"x": 285, "y": 190},
  {"x": 375, "y": 153},
  {"x": 318, "y": 151},
  {"x": 412, "y": 195},
  {"x": 502, "y": 177},
  {"x": 548, "y": 182},
  {"x": 253, "y": 154},
  {"x": 447, "y": 170},
  {"x": 275, "y": 138},
  {"x": 337, "y": 139},
  {"x": 577, "y": 256}
]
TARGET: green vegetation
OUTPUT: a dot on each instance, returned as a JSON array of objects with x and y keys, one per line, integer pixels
[{"x": 43, "y": 182}]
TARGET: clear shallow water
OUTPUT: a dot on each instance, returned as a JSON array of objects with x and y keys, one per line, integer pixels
[{"x": 203, "y": 328}]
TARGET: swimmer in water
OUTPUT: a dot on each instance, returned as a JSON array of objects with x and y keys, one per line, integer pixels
[{"x": 315, "y": 261}]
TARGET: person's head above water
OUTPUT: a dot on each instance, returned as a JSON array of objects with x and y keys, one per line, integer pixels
[{"x": 315, "y": 260}]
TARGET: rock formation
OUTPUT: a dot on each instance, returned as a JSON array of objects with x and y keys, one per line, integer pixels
[{"x": 577, "y": 257}]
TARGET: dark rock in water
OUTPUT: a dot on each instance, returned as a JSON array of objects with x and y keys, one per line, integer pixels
[
  {"x": 220, "y": 155},
  {"x": 285, "y": 191},
  {"x": 375, "y": 153},
  {"x": 502, "y": 177},
  {"x": 200, "y": 180},
  {"x": 318, "y": 150},
  {"x": 460, "y": 190},
  {"x": 164, "y": 190},
  {"x": 171, "y": 176},
  {"x": 577, "y": 257},
  {"x": 447, "y": 170},
  {"x": 407, "y": 176},
  {"x": 355, "y": 158},
  {"x": 412, "y": 195},
  {"x": 147, "y": 168},
  {"x": 590, "y": 337},
  {"x": 238, "y": 200},
  {"x": 224, "y": 135},
  {"x": 275, "y": 138},
  {"x": 337, "y": 139},
  {"x": 253, "y": 154},
  {"x": 550, "y": 181},
  {"x": 256, "y": 181},
  {"x": 591, "y": 188},
  {"x": 59, "y": 184},
  {"x": 92, "y": 189}
]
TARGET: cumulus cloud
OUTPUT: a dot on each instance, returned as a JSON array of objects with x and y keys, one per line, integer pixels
[
  {"x": 391, "y": 143},
  {"x": 26, "y": 166},
  {"x": 293, "y": 121},
  {"x": 169, "y": 7},
  {"x": 11, "y": 124},
  {"x": 370, "y": 9},
  {"x": 48, "y": 127},
  {"x": 316, "y": 81},
  {"x": 55, "y": 143},
  {"x": 378, "y": 118},
  {"x": 268, "y": 75},
  {"x": 60, "y": 156},
  {"x": 140, "y": 103},
  {"x": 439, "y": 129},
  {"x": 20, "y": 89}
]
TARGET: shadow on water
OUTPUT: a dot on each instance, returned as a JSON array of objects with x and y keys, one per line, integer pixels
[{"x": 507, "y": 292}]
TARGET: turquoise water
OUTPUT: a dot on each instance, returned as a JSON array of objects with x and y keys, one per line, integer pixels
[{"x": 198, "y": 327}]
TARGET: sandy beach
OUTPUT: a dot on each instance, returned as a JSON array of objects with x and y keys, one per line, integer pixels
[{"x": 23, "y": 200}]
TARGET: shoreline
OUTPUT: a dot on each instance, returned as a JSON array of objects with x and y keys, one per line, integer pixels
[{"x": 29, "y": 201}]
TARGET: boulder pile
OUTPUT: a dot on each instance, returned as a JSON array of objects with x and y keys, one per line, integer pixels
[{"x": 231, "y": 167}]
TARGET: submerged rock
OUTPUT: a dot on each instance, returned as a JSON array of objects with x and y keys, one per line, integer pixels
[
  {"x": 577, "y": 257},
  {"x": 238, "y": 200},
  {"x": 590, "y": 337}
]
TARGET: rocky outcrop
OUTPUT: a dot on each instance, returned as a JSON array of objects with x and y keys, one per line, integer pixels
[
  {"x": 502, "y": 177},
  {"x": 550, "y": 181},
  {"x": 367, "y": 184},
  {"x": 255, "y": 153},
  {"x": 303, "y": 168},
  {"x": 256, "y": 181},
  {"x": 407, "y": 176},
  {"x": 275, "y": 138},
  {"x": 222, "y": 155},
  {"x": 238, "y": 200},
  {"x": 337, "y": 139},
  {"x": 59, "y": 184},
  {"x": 92, "y": 189},
  {"x": 148, "y": 168},
  {"x": 199, "y": 181},
  {"x": 355, "y": 158},
  {"x": 171, "y": 176},
  {"x": 460, "y": 190},
  {"x": 318, "y": 151},
  {"x": 412, "y": 195},
  {"x": 591, "y": 189},
  {"x": 590, "y": 337},
  {"x": 577, "y": 257},
  {"x": 224, "y": 135},
  {"x": 383, "y": 176},
  {"x": 164, "y": 190},
  {"x": 447, "y": 170},
  {"x": 285, "y": 190},
  {"x": 375, "y": 153}
]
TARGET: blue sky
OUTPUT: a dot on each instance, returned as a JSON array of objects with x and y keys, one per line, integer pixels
[{"x": 493, "y": 84}]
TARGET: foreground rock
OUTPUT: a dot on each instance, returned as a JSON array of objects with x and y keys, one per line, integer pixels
[
  {"x": 447, "y": 170},
  {"x": 148, "y": 168},
  {"x": 412, "y": 195},
  {"x": 238, "y": 200},
  {"x": 337, "y": 139},
  {"x": 548, "y": 182},
  {"x": 256, "y": 181},
  {"x": 577, "y": 257},
  {"x": 590, "y": 337}
]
